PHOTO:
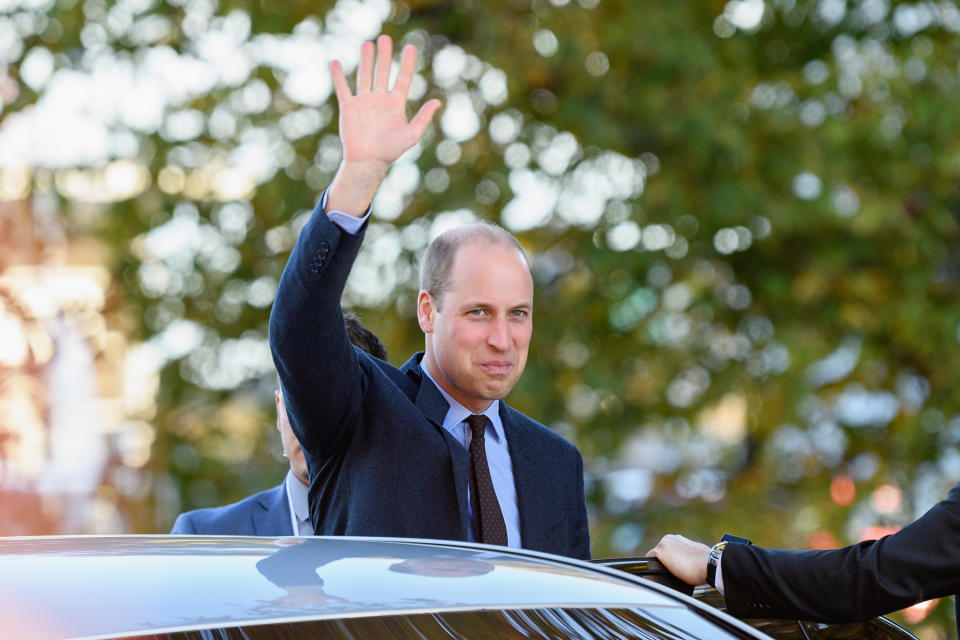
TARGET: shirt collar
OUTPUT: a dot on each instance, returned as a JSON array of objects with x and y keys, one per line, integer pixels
[
  {"x": 457, "y": 413},
  {"x": 298, "y": 497}
]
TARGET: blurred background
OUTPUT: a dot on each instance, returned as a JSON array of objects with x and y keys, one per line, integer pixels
[{"x": 744, "y": 217}]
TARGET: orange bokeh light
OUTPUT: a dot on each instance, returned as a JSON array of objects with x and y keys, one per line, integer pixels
[
  {"x": 822, "y": 539},
  {"x": 876, "y": 532},
  {"x": 919, "y": 611},
  {"x": 887, "y": 498},
  {"x": 843, "y": 491}
]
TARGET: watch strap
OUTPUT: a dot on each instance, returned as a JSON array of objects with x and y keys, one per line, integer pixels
[{"x": 714, "y": 560}]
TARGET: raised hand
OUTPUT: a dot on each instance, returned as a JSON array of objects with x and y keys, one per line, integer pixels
[{"x": 373, "y": 124}]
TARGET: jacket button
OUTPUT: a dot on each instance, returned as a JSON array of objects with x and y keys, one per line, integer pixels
[{"x": 315, "y": 267}]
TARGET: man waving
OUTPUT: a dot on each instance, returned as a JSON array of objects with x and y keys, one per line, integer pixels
[{"x": 429, "y": 450}]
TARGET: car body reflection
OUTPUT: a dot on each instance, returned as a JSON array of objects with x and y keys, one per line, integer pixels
[{"x": 203, "y": 588}]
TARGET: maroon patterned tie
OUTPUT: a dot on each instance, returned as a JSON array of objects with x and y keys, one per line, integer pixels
[{"x": 487, "y": 517}]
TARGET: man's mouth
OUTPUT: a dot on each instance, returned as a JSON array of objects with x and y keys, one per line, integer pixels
[{"x": 496, "y": 368}]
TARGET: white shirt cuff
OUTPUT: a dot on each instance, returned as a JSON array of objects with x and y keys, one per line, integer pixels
[
  {"x": 350, "y": 224},
  {"x": 718, "y": 582}
]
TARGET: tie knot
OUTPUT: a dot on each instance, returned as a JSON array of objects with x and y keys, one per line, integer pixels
[{"x": 478, "y": 424}]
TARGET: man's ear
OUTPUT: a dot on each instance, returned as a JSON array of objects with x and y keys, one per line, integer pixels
[{"x": 426, "y": 307}]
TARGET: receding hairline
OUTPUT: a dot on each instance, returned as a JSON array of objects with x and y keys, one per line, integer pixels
[{"x": 443, "y": 250}]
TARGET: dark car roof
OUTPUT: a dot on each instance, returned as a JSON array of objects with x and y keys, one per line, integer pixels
[{"x": 95, "y": 586}]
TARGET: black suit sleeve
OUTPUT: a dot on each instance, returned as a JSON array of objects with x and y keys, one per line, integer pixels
[
  {"x": 318, "y": 367},
  {"x": 862, "y": 581}
]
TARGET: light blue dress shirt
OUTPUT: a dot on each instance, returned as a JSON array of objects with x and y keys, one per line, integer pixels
[
  {"x": 498, "y": 459},
  {"x": 350, "y": 224},
  {"x": 297, "y": 501},
  {"x": 495, "y": 440}
]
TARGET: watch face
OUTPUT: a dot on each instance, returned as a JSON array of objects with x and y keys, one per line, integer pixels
[{"x": 716, "y": 551}]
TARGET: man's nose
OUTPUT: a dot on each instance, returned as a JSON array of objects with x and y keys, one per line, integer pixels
[{"x": 499, "y": 336}]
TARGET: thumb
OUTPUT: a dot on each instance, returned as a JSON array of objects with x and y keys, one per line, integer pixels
[{"x": 422, "y": 120}]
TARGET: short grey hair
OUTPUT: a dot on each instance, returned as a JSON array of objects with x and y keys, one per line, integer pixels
[{"x": 438, "y": 259}]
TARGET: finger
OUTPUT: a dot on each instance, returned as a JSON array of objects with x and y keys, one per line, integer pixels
[
  {"x": 422, "y": 120},
  {"x": 365, "y": 70},
  {"x": 384, "y": 60},
  {"x": 408, "y": 64},
  {"x": 339, "y": 82}
]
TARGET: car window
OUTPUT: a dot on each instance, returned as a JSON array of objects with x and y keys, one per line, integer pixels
[{"x": 665, "y": 623}]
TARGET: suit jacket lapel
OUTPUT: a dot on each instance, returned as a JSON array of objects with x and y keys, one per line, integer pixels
[
  {"x": 535, "y": 513},
  {"x": 273, "y": 516},
  {"x": 431, "y": 403}
]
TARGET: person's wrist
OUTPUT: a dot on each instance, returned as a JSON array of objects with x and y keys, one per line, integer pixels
[
  {"x": 355, "y": 185},
  {"x": 716, "y": 553},
  {"x": 364, "y": 169},
  {"x": 713, "y": 560}
]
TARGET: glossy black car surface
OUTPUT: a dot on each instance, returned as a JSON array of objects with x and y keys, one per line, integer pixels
[
  {"x": 248, "y": 587},
  {"x": 197, "y": 587}
]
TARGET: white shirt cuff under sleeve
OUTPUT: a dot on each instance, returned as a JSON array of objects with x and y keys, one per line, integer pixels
[
  {"x": 718, "y": 583},
  {"x": 350, "y": 224}
]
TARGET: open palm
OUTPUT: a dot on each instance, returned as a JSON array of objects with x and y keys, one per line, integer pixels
[{"x": 373, "y": 122}]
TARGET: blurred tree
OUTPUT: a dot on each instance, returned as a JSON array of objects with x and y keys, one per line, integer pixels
[{"x": 744, "y": 217}]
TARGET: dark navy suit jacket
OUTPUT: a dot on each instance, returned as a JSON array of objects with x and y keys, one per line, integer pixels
[
  {"x": 919, "y": 562},
  {"x": 262, "y": 514},
  {"x": 381, "y": 464}
]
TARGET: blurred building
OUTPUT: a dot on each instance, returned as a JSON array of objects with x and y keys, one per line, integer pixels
[{"x": 68, "y": 429}]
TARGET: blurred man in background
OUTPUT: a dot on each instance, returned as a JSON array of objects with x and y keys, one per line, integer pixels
[{"x": 282, "y": 510}]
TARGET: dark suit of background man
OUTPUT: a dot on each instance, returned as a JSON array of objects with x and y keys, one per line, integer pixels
[
  {"x": 268, "y": 513},
  {"x": 862, "y": 581},
  {"x": 387, "y": 447}
]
